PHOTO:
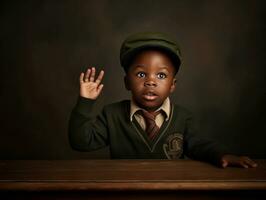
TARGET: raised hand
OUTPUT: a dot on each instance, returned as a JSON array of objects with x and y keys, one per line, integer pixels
[{"x": 89, "y": 87}]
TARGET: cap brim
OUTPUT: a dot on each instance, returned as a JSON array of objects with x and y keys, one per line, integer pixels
[{"x": 127, "y": 58}]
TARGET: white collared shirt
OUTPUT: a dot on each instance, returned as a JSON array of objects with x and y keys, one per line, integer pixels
[{"x": 165, "y": 107}]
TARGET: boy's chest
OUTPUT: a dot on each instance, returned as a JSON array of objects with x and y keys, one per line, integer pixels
[{"x": 129, "y": 139}]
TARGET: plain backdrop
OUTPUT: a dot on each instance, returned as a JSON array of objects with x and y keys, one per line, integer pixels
[{"x": 45, "y": 45}]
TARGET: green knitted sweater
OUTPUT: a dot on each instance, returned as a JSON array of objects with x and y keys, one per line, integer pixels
[{"x": 176, "y": 139}]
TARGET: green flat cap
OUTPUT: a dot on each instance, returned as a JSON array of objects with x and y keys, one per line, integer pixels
[{"x": 149, "y": 40}]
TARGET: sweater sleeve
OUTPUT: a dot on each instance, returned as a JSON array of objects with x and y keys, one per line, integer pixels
[
  {"x": 199, "y": 148},
  {"x": 87, "y": 132}
]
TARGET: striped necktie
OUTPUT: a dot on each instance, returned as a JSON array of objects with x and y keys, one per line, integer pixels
[{"x": 151, "y": 128}]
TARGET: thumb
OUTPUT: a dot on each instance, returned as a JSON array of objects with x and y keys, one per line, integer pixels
[{"x": 224, "y": 163}]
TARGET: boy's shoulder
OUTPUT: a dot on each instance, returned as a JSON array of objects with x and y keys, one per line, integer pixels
[
  {"x": 118, "y": 105},
  {"x": 181, "y": 110},
  {"x": 117, "y": 110}
]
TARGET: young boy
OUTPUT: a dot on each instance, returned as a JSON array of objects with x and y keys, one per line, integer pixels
[{"x": 149, "y": 126}]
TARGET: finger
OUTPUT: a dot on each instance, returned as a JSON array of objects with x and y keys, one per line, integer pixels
[
  {"x": 100, "y": 88},
  {"x": 81, "y": 77},
  {"x": 242, "y": 163},
  {"x": 92, "y": 74},
  {"x": 224, "y": 163},
  {"x": 100, "y": 77},
  {"x": 250, "y": 162},
  {"x": 253, "y": 164},
  {"x": 87, "y": 75}
]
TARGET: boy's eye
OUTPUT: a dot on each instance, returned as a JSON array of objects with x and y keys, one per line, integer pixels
[
  {"x": 161, "y": 75},
  {"x": 141, "y": 74}
]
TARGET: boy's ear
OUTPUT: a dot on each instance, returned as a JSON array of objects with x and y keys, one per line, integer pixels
[
  {"x": 126, "y": 82},
  {"x": 173, "y": 85}
]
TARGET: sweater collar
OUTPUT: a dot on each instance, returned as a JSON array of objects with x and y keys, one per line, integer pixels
[{"x": 166, "y": 106}]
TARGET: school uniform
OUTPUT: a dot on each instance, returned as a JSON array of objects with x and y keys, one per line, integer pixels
[{"x": 120, "y": 126}]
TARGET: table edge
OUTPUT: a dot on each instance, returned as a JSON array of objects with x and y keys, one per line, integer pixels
[{"x": 120, "y": 186}]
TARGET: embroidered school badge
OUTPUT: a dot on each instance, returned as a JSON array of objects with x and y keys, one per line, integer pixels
[{"x": 173, "y": 147}]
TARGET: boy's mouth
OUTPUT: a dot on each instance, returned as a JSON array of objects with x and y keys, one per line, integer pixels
[{"x": 150, "y": 96}]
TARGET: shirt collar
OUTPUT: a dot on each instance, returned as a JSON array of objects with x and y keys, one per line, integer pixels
[{"x": 166, "y": 106}]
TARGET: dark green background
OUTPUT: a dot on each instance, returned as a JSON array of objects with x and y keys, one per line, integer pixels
[{"x": 46, "y": 44}]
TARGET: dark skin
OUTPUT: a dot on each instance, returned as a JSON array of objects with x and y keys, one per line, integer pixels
[
  {"x": 151, "y": 72},
  {"x": 151, "y": 79}
]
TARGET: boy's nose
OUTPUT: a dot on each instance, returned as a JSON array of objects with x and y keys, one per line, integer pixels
[{"x": 150, "y": 83}]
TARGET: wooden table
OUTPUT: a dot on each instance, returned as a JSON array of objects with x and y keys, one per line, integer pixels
[{"x": 130, "y": 179}]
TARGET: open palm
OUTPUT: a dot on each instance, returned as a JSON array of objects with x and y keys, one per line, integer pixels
[{"x": 89, "y": 87}]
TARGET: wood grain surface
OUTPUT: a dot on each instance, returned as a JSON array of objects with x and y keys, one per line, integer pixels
[{"x": 110, "y": 175}]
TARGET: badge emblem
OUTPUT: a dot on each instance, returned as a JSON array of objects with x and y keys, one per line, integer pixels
[{"x": 173, "y": 148}]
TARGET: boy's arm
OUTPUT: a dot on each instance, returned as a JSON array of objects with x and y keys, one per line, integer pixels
[
  {"x": 200, "y": 148},
  {"x": 208, "y": 150},
  {"x": 87, "y": 132}
]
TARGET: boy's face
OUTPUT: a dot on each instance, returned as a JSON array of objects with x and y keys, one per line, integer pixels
[{"x": 150, "y": 78}]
